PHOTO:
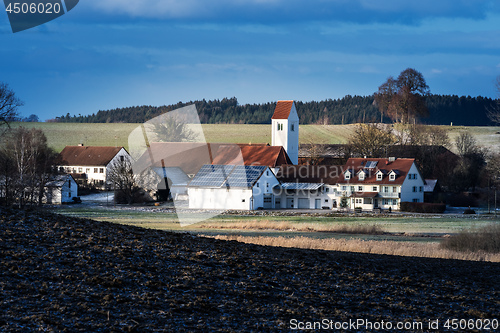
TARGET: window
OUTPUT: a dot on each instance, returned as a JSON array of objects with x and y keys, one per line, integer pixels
[
  {"x": 347, "y": 175},
  {"x": 386, "y": 189},
  {"x": 360, "y": 188},
  {"x": 361, "y": 176},
  {"x": 268, "y": 200},
  {"x": 101, "y": 170},
  {"x": 267, "y": 185},
  {"x": 359, "y": 201},
  {"x": 326, "y": 200},
  {"x": 421, "y": 189},
  {"x": 122, "y": 158},
  {"x": 352, "y": 189},
  {"x": 242, "y": 200},
  {"x": 375, "y": 189},
  {"x": 415, "y": 200},
  {"x": 96, "y": 170},
  {"x": 379, "y": 176},
  {"x": 394, "y": 189},
  {"x": 327, "y": 190},
  {"x": 292, "y": 128},
  {"x": 267, "y": 172},
  {"x": 344, "y": 188},
  {"x": 87, "y": 170},
  {"x": 392, "y": 176},
  {"x": 414, "y": 189},
  {"x": 394, "y": 202},
  {"x": 258, "y": 185},
  {"x": 80, "y": 170}
]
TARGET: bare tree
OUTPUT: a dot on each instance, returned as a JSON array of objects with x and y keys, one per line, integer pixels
[
  {"x": 8, "y": 104},
  {"x": 171, "y": 129},
  {"x": 403, "y": 99},
  {"x": 466, "y": 144},
  {"x": 124, "y": 183},
  {"x": 27, "y": 164},
  {"x": 494, "y": 112},
  {"x": 371, "y": 140}
]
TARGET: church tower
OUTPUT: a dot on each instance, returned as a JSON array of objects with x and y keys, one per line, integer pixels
[{"x": 285, "y": 123}]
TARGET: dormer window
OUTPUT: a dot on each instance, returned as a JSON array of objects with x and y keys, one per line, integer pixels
[
  {"x": 392, "y": 176},
  {"x": 361, "y": 175},
  {"x": 347, "y": 175},
  {"x": 380, "y": 175}
]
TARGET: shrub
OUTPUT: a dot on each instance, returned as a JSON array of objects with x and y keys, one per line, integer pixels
[
  {"x": 485, "y": 239},
  {"x": 423, "y": 207}
]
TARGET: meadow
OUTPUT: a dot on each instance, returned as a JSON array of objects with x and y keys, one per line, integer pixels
[
  {"x": 60, "y": 135},
  {"x": 395, "y": 234}
]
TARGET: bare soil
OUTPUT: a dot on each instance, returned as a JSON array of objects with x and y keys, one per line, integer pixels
[{"x": 63, "y": 274}]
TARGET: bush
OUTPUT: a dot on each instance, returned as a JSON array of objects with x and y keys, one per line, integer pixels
[
  {"x": 485, "y": 239},
  {"x": 422, "y": 207}
]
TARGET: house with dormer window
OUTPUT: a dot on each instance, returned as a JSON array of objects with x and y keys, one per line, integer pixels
[{"x": 371, "y": 183}]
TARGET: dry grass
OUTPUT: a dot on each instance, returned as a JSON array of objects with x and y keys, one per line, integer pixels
[
  {"x": 288, "y": 226},
  {"x": 409, "y": 249},
  {"x": 486, "y": 239}
]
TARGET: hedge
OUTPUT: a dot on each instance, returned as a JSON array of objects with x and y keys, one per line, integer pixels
[{"x": 422, "y": 207}]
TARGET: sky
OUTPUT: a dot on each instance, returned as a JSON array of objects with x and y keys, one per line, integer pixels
[{"x": 105, "y": 54}]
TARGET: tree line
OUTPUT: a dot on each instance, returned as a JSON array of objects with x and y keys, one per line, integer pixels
[{"x": 442, "y": 110}]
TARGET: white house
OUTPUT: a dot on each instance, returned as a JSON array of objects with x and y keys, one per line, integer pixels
[
  {"x": 240, "y": 187},
  {"x": 285, "y": 129},
  {"x": 61, "y": 189},
  {"x": 90, "y": 164},
  {"x": 370, "y": 183},
  {"x": 307, "y": 187}
]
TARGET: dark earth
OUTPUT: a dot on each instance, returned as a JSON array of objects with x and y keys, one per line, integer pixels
[{"x": 63, "y": 274}]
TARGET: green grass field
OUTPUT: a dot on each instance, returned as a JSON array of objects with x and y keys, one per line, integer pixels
[{"x": 60, "y": 135}]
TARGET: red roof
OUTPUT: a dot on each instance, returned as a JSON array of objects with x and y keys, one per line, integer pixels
[
  {"x": 271, "y": 156},
  {"x": 87, "y": 155},
  {"x": 190, "y": 157},
  {"x": 282, "y": 110},
  {"x": 400, "y": 166}
]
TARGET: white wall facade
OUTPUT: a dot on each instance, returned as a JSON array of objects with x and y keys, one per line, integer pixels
[
  {"x": 61, "y": 194},
  {"x": 285, "y": 132},
  {"x": 413, "y": 186},
  {"x": 257, "y": 197}
]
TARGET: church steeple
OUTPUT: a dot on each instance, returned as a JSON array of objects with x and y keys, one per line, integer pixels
[{"x": 285, "y": 124}]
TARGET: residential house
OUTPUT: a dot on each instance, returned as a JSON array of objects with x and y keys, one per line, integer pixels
[
  {"x": 371, "y": 183},
  {"x": 90, "y": 165}
]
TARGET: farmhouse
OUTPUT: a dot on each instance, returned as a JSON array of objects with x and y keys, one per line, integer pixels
[
  {"x": 371, "y": 183},
  {"x": 60, "y": 189},
  {"x": 90, "y": 165}
]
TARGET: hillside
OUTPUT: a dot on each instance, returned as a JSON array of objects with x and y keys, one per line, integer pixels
[
  {"x": 61, "y": 134},
  {"x": 443, "y": 110},
  {"x": 75, "y": 275}
]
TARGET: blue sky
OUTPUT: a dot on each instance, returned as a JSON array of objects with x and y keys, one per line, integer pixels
[{"x": 113, "y": 53}]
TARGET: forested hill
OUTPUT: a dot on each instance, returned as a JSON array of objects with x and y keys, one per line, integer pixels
[{"x": 443, "y": 109}]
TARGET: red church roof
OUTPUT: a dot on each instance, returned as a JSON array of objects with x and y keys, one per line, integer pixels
[{"x": 282, "y": 110}]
